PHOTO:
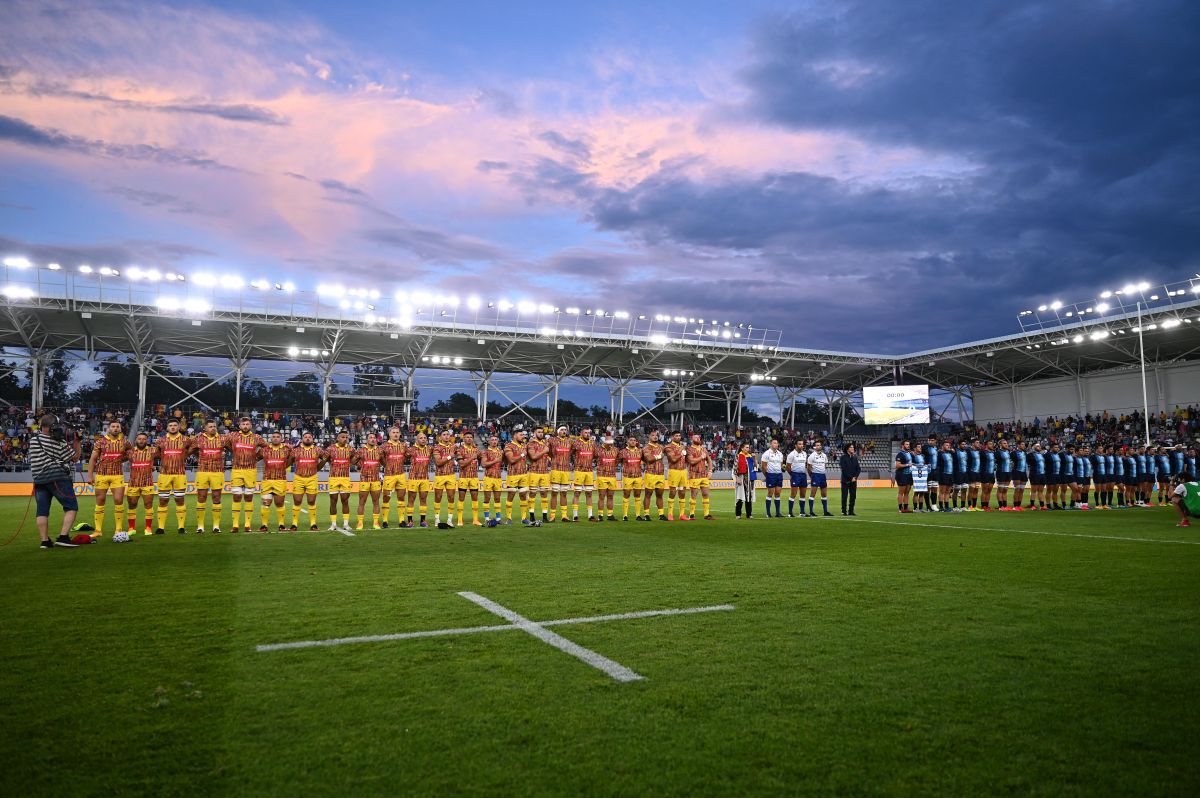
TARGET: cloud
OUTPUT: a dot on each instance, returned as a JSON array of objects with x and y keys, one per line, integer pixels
[
  {"x": 120, "y": 253},
  {"x": 154, "y": 199},
  {"x": 572, "y": 147},
  {"x": 432, "y": 245},
  {"x": 18, "y": 131}
]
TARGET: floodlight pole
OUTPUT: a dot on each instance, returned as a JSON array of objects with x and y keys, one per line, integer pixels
[{"x": 1142, "y": 357}]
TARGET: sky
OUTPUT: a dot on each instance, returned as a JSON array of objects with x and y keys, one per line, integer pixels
[{"x": 863, "y": 176}]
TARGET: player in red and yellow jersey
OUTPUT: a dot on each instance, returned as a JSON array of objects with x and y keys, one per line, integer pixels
[
  {"x": 492, "y": 461},
  {"x": 339, "y": 455},
  {"x": 516, "y": 466},
  {"x": 677, "y": 478},
  {"x": 560, "y": 472},
  {"x": 106, "y": 470},
  {"x": 394, "y": 479},
  {"x": 276, "y": 456},
  {"x": 631, "y": 478},
  {"x": 538, "y": 452},
  {"x": 243, "y": 479},
  {"x": 307, "y": 459},
  {"x": 467, "y": 454},
  {"x": 141, "y": 481},
  {"x": 655, "y": 479},
  {"x": 369, "y": 458},
  {"x": 172, "y": 450},
  {"x": 607, "y": 459},
  {"x": 445, "y": 479},
  {"x": 583, "y": 455},
  {"x": 419, "y": 456},
  {"x": 699, "y": 464},
  {"x": 210, "y": 475}
]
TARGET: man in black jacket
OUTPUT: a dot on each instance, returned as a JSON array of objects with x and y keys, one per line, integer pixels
[{"x": 848, "y": 465}]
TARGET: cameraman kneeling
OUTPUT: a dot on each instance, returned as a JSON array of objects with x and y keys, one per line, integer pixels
[{"x": 50, "y": 461}]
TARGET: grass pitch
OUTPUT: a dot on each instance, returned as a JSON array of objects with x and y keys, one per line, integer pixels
[{"x": 888, "y": 654}]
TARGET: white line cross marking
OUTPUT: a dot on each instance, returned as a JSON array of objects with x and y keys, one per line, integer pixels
[{"x": 518, "y": 622}]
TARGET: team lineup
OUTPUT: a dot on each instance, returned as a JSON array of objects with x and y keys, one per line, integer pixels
[
  {"x": 556, "y": 475},
  {"x": 948, "y": 478}
]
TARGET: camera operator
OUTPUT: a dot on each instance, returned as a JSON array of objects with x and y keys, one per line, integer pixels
[{"x": 52, "y": 452}]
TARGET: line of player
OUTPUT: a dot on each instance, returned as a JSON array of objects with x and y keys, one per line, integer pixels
[
  {"x": 961, "y": 478},
  {"x": 530, "y": 473}
]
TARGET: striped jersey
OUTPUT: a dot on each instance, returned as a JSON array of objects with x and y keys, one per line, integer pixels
[
  {"x": 306, "y": 460},
  {"x": 172, "y": 453},
  {"x": 245, "y": 448},
  {"x": 418, "y": 461},
  {"x": 112, "y": 455},
  {"x": 339, "y": 460},
  {"x": 141, "y": 467},
  {"x": 393, "y": 458},
  {"x": 370, "y": 458},
  {"x": 275, "y": 461},
  {"x": 211, "y": 453}
]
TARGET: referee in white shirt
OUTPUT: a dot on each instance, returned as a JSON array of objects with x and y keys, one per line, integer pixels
[
  {"x": 772, "y": 464},
  {"x": 797, "y": 463},
  {"x": 817, "y": 463}
]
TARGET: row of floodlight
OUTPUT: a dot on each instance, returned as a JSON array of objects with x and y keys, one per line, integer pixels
[{"x": 1103, "y": 307}]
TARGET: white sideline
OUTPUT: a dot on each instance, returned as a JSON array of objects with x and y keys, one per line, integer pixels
[
  {"x": 347, "y": 533},
  {"x": 598, "y": 661},
  {"x": 858, "y": 520}
]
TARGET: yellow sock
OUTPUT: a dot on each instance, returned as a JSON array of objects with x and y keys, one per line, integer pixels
[
  {"x": 508, "y": 502},
  {"x": 295, "y": 514},
  {"x": 385, "y": 513},
  {"x": 122, "y": 513},
  {"x": 161, "y": 516},
  {"x": 98, "y": 518},
  {"x": 475, "y": 511},
  {"x": 374, "y": 519},
  {"x": 216, "y": 513},
  {"x": 707, "y": 506},
  {"x": 401, "y": 508},
  {"x": 180, "y": 515},
  {"x": 459, "y": 507}
]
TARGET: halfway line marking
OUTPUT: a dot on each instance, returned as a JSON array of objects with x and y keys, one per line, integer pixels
[
  {"x": 624, "y": 616},
  {"x": 1022, "y": 531},
  {"x": 598, "y": 661}
]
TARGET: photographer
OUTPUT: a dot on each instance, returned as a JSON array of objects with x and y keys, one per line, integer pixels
[{"x": 52, "y": 452}]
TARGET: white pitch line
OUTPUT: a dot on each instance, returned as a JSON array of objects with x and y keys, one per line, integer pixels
[
  {"x": 342, "y": 641},
  {"x": 614, "y": 669},
  {"x": 624, "y": 616},
  {"x": 1022, "y": 531},
  {"x": 347, "y": 533}
]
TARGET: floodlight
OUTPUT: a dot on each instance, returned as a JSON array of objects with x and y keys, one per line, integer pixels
[
  {"x": 331, "y": 289},
  {"x": 344, "y": 304},
  {"x": 458, "y": 361},
  {"x": 289, "y": 286},
  {"x": 1055, "y": 305},
  {"x": 658, "y": 339},
  {"x": 572, "y": 311},
  {"x": 105, "y": 271},
  {"x": 1143, "y": 286},
  {"x": 53, "y": 267},
  {"x": 547, "y": 331},
  {"x": 85, "y": 269},
  {"x": 196, "y": 306},
  {"x": 1170, "y": 323},
  {"x": 17, "y": 292},
  {"x": 1078, "y": 339},
  {"x": 167, "y": 303},
  {"x": 261, "y": 285},
  {"x": 293, "y": 351},
  {"x": 370, "y": 318},
  {"x": 526, "y": 307},
  {"x": 473, "y": 303},
  {"x": 505, "y": 305},
  {"x": 621, "y": 314},
  {"x": 17, "y": 263},
  {"x": 204, "y": 278},
  {"x": 1154, "y": 297},
  {"x": 451, "y": 300},
  {"x": 373, "y": 293},
  {"x": 324, "y": 352},
  {"x": 1102, "y": 307},
  {"x": 544, "y": 308},
  {"x": 1105, "y": 294},
  {"x": 133, "y": 273}
]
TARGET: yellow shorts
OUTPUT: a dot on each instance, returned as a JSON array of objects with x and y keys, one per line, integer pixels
[
  {"x": 606, "y": 483},
  {"x": 396, "y": 482},
  {"x": 109, "y": 482},
  {"x": 244, "y": 478},
  {"x": 369, "y": 487},
  {"x": 654, "y": 481},
  {"x": 444, "y": 482},
  {"x": 518, "y": 481},
  {"x": 210, "y": 480},
  {"x": 633, "y": 483},
  {"x": 136, "y": 493},
  {"x": 418, "y": 485},
  {"x": 493, "y": 484},
  {"x": 700, "y": 482},
  {"x": 172, "y": 483},
  {"x": 274, "y": 487},
  {"x": 582, "y": 478},
  {"x": 468, "y": 483},
  {"x": 340, "y": 485},
  {"x": 677, "y": 479},
  {"x": 539, "y": 480},
  {"x": 304, "y": 485},
  {"x": 560, "y": 478}
]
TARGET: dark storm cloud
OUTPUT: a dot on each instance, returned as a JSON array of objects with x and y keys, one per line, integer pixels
[
  {"x": 18, "y": 131},
  {"x": 1080, "y": 123}
]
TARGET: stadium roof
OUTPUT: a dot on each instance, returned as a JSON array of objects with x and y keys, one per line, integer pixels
[{"x": 47, "y": 312}]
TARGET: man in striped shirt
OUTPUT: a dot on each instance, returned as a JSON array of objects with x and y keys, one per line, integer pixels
[{"x": 50, "y": 462}]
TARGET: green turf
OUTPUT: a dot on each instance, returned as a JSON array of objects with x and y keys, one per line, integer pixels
[{"x": 862, "y": 658}]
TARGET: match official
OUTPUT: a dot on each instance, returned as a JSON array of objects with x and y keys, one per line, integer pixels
[
  {"x": 848, "y": 465},
  {"x": 50, "y": 459}
]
